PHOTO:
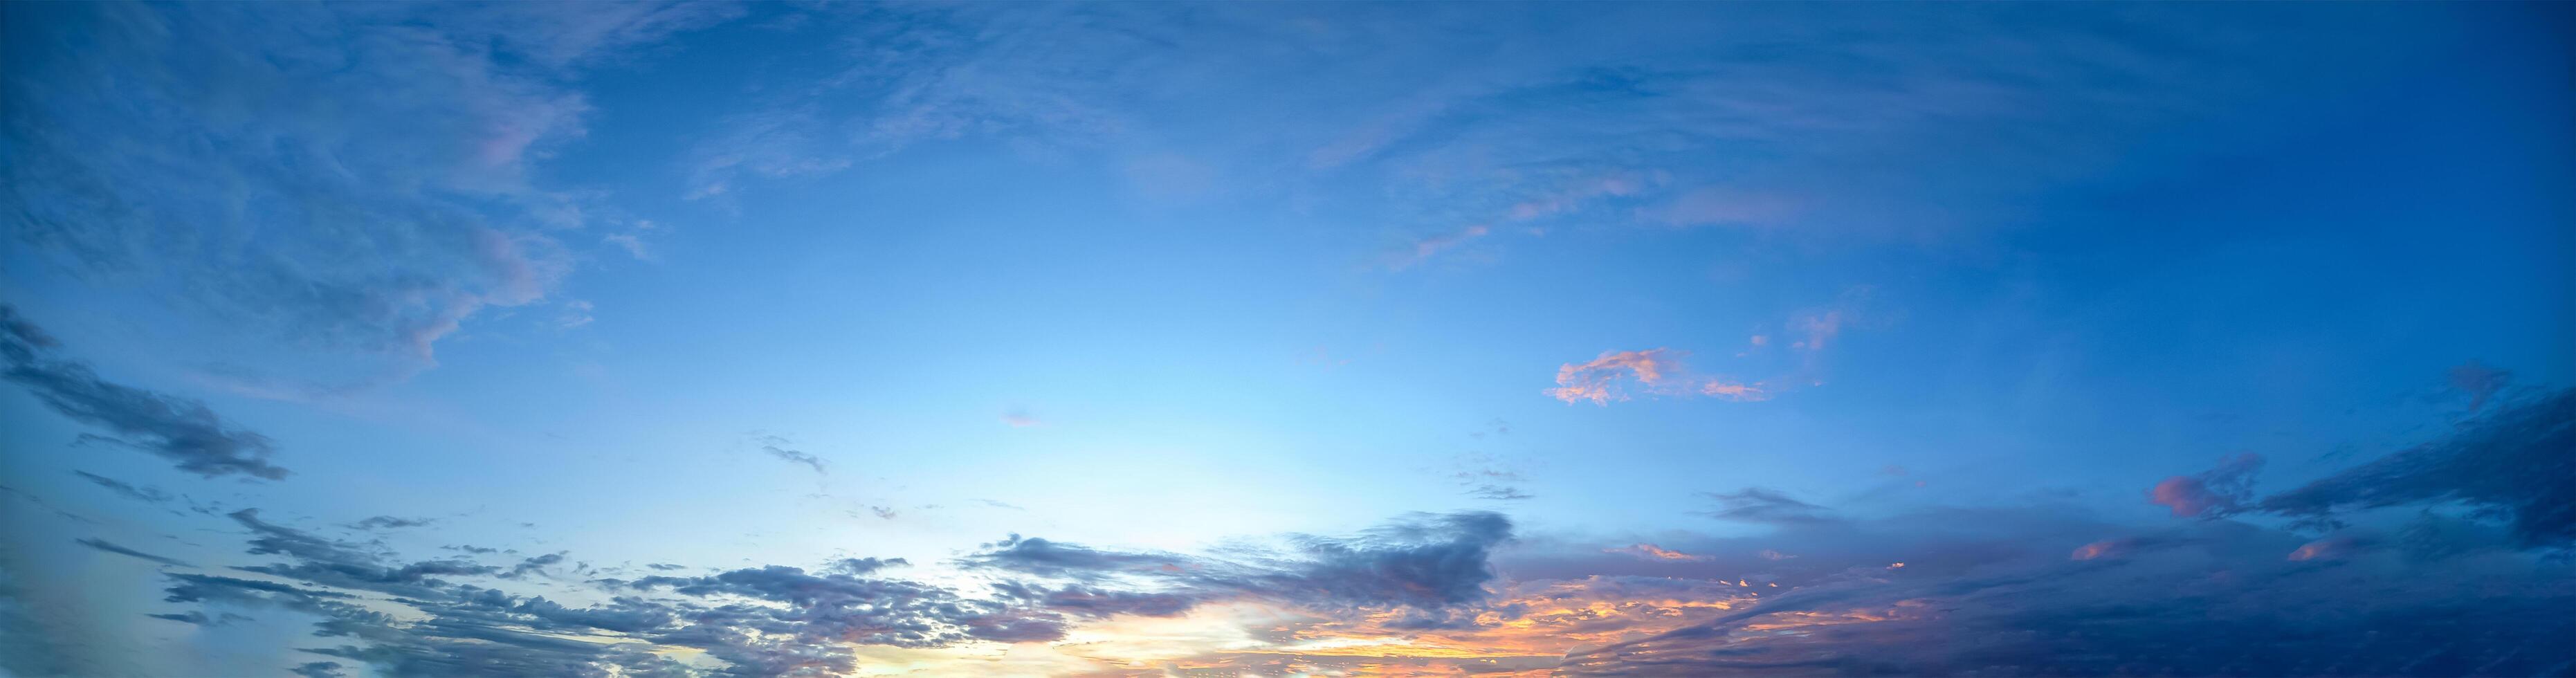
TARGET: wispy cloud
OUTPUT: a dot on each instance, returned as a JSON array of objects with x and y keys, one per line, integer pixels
[
  {"x": 183, "y": 431},
  {"x": 777, "y": 446},
  {"x": 1659, "y": 371},
  {"x": 103, "y": 545}
]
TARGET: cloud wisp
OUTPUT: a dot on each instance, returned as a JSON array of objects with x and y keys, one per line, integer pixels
[{"x": 183, "y": 431}]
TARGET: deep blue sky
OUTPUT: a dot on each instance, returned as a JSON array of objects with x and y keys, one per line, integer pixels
[{"x": 384, "y": 339}]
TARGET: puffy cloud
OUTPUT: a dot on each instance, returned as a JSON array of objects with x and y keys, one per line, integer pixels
[{"x": 183, "y": 431}]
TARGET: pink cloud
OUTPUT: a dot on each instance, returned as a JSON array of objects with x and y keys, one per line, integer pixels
[
  {"x": 2217, "y": 492},
  {"x": 1020, "y": 419},
  {"x": 1733, "y": 391},
  {"x": 1653, "y": 552},
  {"x": 1593, "y": 380},
  {"x": 2096, "y": 550},
  {"x": 1657, "y": 371}
]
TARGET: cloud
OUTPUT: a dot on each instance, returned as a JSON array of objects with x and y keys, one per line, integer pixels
[
  {"x": 2479, "y": 381},
  {"x": 777, "y": 447},
  {"x": 374, "y": 199},
  {"x": 2514, "y": 463},
  {"x": 1653, "y": 552},
  {"x": 122, "y": 489},
  {"x": 1765, "y": 506},
  {"x": 390, "y": 522},
  {"x": 1499, "y": 493},
  {"x": 1595, "y": 380},
  {"x": 1424, "y": 248},
  {"x": 180, "y": 430},
  {"x": 2220, "y": 491},
  {"x": 1995, "y": 591},
  {"x": 102, "y": 545},
  {"x": 1019, "y": 419},
  {"x": 1657, "y": 371},
  {"x": 1421, "y": 565}
]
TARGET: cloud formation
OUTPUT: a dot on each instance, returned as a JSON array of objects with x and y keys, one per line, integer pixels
[
  {"x": 183, "y": 431},
  {"x": 385, "y": 174}
]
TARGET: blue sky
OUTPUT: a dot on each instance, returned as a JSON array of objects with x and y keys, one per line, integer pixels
[{"x": 1285, "y": 338}]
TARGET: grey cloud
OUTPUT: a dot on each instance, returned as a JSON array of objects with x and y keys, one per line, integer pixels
[
  {"x": 1767, "y": 506},
  {"x": 180, "y": 430},
  {"x": 777, "y": 447},
  {"x": 1425, "y": 563},
  {"x": 390, "y": 522},
  {"x": 1993, "y": 592},
  {"x": 123, "y": 489},
  {"x": 103, "y": 545}
]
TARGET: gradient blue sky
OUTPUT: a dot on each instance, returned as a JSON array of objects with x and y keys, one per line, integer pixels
[{"x": 1380, "y": 330}]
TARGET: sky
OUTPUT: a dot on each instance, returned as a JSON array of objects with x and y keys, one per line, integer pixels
[{"x": 1179, "y": 339}]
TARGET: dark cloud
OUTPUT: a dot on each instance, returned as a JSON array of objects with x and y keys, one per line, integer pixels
[
  {"x": 1767, "y": 506},
  {"x": 123, "y": 489},
  {"x": 201, "y": 619},
  {"x": 103, "y": 545},
  {"x": 1995, "y": 592},
  {"x": 2517, "y": 463},
  {"x": 391, "y": 522},
  {"x": 1425, "y": 564},
  {"x": 319, "y": 670},
  {"x": 178, "y": 429},
  {"x": 777, "y": 447}
]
